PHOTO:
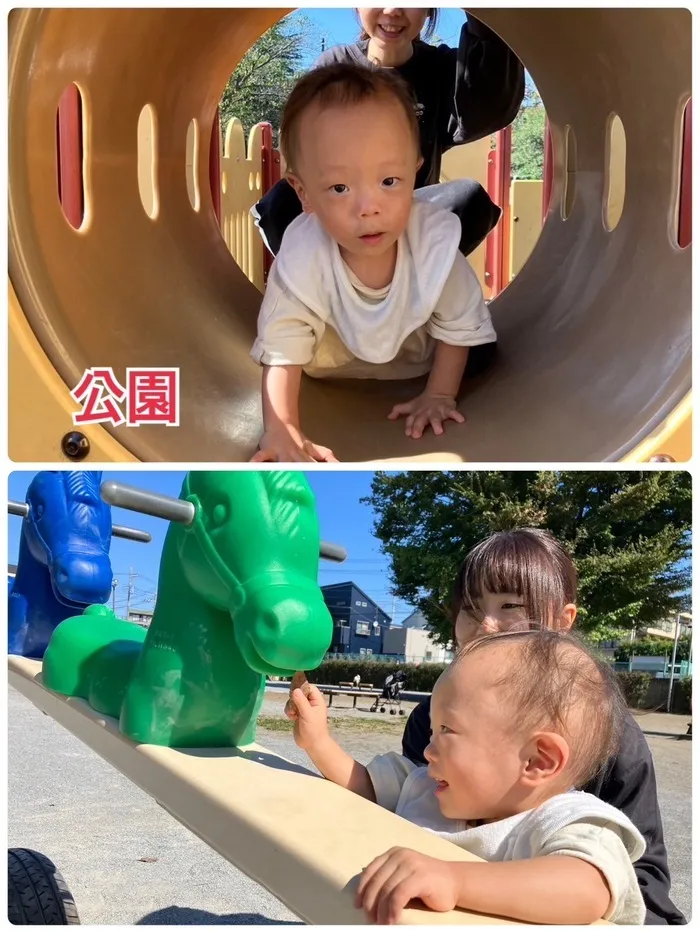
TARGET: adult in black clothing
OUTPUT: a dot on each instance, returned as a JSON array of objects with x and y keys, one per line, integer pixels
[
  {"x": 462, "y": 94},
  {"x": 628, "y": 781}
]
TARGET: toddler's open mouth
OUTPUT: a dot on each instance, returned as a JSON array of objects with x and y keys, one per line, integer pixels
[
  {"x": 372, "y": 237},
  {"x": 441, "y": 786}
]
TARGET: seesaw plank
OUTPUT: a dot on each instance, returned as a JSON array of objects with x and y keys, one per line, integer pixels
[{"x": 302, "y": 838}]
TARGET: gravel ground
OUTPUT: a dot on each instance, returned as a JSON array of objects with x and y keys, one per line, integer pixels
[{"x": 97, "y": 826}]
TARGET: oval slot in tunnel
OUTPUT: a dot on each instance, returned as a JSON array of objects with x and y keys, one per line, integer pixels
[
  {"x": 192, "y": 163},
  {"x": 569, "y": 194},
  {"x": 615, "y": 172},
  {"x": 684, "y": 226},
  {"x": 147, "y": 154},
  {"x": 70, "y": 155}
]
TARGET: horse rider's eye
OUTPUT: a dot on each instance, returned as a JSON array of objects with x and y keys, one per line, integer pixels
[{"x": 219, "y": 514}]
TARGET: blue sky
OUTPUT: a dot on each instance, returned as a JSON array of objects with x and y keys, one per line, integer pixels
[
  {"x": 340, "y": 27},
  {"x": 343, "y": 521}
]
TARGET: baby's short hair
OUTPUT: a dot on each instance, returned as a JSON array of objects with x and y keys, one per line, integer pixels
[
  {"x": 341, "y": 85},
  {"x": 554, "y": 683}
]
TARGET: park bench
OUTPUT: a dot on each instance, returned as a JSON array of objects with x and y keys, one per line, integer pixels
[{"x": 341, "y": 691}]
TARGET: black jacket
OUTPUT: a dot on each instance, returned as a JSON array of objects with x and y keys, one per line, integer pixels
[
  {"x": 462, "y": 94},
  {"x": 628, "y": 783}
]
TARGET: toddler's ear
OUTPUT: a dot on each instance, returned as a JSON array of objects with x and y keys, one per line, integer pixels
[{"x": 296, "y": 183}]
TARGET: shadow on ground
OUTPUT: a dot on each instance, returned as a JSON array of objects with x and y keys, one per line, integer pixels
[{"x": 187, "y": 916}]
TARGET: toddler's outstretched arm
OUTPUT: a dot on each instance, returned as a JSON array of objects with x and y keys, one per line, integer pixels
[
  {"x": 553, "y": 889},
  {"x": 310, "y": 719},
  {"x": 438, "y": 401},
  {"x": 283, "y": 439}
]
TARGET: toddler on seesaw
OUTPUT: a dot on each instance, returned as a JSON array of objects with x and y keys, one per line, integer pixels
[
  {"x": 519, "y": 721},
  {"x": 368, "y": 282}
]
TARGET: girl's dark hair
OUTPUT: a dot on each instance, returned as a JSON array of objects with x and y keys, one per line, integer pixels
[
  {"x": 527, "y": 561},
  {"x": 428, "y": 30}
]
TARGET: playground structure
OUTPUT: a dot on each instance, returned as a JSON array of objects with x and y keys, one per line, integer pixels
[
  {"x": 594, "y": 332},
  {"x": 305, "y": 839},
  {"x": 231, "y": 608},
  {"x": 63, "y": 563}
]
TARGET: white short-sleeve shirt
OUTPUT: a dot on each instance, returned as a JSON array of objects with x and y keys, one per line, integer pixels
[
  {"x": 318, "y": 315},
  {"x": 576, "y": 824}
]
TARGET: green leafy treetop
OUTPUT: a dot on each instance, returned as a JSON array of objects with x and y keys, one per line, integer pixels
[{"x": 627, "y": 531}]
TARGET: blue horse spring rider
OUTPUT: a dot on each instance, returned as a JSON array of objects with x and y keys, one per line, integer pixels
[{"x": 63, "y": 563}]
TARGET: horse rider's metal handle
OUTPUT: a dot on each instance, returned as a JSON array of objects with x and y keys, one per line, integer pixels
[
  {"x": 131, "y": 534},
  {"x": 177, "y": 510},
  {"x": 118, "y": 531},
  {"x": 334, "y": 552}
]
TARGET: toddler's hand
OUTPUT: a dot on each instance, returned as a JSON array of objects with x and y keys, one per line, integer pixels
[
  {"x": 310, "y": 717},
  {"x": 424, "y": 410},
  {"x": 284, "y": 442},
  {"x": 395, "y": 878}
]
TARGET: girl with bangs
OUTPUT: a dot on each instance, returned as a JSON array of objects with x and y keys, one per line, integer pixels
[{"x": 507, "y": 580}]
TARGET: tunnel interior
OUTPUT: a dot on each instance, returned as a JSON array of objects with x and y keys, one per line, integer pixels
[{"x": 594, "y": 332}]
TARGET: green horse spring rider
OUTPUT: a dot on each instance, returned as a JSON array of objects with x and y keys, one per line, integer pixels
[{"x": 238, "y": 599}]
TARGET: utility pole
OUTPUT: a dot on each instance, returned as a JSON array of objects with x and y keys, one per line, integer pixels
[
  {"x": 323, "y": 44},
  {"x": 128, "y": 594},
  {"x": 115, "y": 584},
  {"x": 679, "y": 616}
]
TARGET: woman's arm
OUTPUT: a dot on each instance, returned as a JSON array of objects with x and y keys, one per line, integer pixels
[
  {"x": 489, "y": 85},
  {"x": 629, "y": 783}
]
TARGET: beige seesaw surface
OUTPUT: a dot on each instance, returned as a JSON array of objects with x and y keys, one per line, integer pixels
[{"x": 304, "y": 839}]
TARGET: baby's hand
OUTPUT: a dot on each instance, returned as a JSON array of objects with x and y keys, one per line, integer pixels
[
  {"x": 400, "y": 875},
  {"x": 285, "y": 442},
  {"x": 424, "y": 410},
  {"x": 309, "y": 715}
]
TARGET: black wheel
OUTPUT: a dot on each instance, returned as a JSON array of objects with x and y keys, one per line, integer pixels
[
  {"x": 392, "y": 712},
  {"x": 402, "y": 712},
  {"x": 382, "y": 709},
  {"x": 36, "y": 892}
]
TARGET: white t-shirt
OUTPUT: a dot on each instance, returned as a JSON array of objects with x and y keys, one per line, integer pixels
[
  {"x": 317, "y": 314},
  {"x": 576, "y": 824}
]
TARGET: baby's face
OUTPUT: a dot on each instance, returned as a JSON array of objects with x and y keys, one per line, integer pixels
[
  {"x": 356, "y": 169},
  {"x": 473, "y": 756}
]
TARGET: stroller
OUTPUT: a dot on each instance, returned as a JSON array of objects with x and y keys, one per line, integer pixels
[{"x": 391, "y": 695}]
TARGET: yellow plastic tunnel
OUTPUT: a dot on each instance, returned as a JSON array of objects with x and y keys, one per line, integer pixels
[{"x": 594, "y": 332}]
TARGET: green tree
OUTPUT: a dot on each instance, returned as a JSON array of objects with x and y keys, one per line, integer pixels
[
  {"x": 527, "y": 156},
  {"x": 628, "y": 532},
  {"x": 655, "y": 648},
  {"x": 258, "y": 88}
]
